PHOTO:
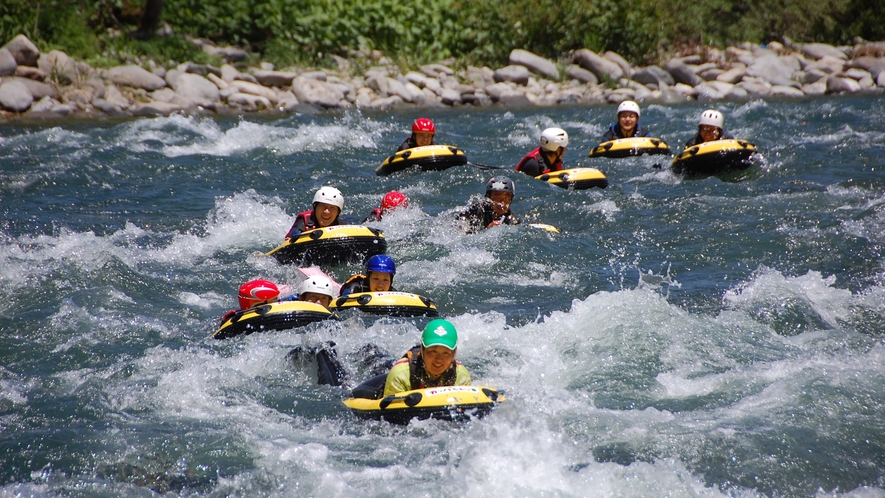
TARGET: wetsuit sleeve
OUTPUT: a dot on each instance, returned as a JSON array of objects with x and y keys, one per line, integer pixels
[
  {"x": 462, "y": 376},
  {"x": 531, "y": 167},
  {"x": 353, "y": 284},
  {"x": 407, "y": 144},
  {"x": 398, "y": 378},
  {"x": 609, "y": 135},
  {"x": 473, "y": 215},
  {"x": 696, "y": 139},
  {"x": 641, "y": 131}
]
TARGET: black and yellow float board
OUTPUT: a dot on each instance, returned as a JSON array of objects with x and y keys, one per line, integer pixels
[
  {"x": 392, "y": 303},
  {"x": 713, "y": 158},
  {"x": 627, "y": 147},
  {"x": 457, "y": 403},
  {"x": 426, "y": 158},
  {"x": 331, "y": 246},
  {"x": 576, "y": 178},
  {"x": 273, "y": 316}
]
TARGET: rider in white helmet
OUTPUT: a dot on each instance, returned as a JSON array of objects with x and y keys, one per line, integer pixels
[
  {"x": 317, "y": 289},
  {"x": 328, "y": 202},
  {"x": 711, "y": 127},
  {"x": 548, "y": 156},
  {"x": 628, "y": 123}
]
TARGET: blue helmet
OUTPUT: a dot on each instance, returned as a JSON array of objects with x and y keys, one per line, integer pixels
[{"x": 381, "y": 263}]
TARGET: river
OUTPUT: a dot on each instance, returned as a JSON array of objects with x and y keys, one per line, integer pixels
[{"x": 679, "y": 337}]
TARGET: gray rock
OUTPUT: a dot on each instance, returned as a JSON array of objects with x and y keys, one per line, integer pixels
[
  {"x": 773, "y": 70},
  {"x": 113, "y": 96},
  {"x": 30, "y": 72},
  {"x": 276, "y": 78},
  {"x": 836, "y": 84},
  {"x": 409, "y": 92},
  {"x": 682, "y": 73},
  {"x": 856, "y": 73},
  {"x": 229, "y": 73},
  {"x": 7, "y": 62},
  {"x": 155, "y": 109},
  {"x": 417, "y": 79},
  {"x": 172, "y": 76},
  {"x": 819, "y": 50},
  {"x": 108, "y": 107},
  {"x": 38, "y": 89},
  {"x": 287, "y": 101},
  {"x": 450, "y": 97},
  {"x": 196, "y": 88},
  {"x": 15, "y": 96},
  {"x": 44, "y": 105},
  {"x": 755, "y": 87},
  {"x": 201, "y": 69},
  {"x": 320, "y": 93},
  {"x": 495, "y": 91},
  {"x": 59, "y": 66},
  {"x": 234, "y": 54},
  {"x": 736, "y": 93},
  {"x": 169, "y": 96},
  {"x": 874, "y": 65},
  {"x": 866, "y": 82},
  {"x": 786, "y": 91},
  {"x": 516, "y": 74},
  {"x": 514, "y": 98},
  {"x": 653, "y": 75},
  {"x": 136, "y": 77},
  {"x": 23, "y": 51},
  {"x": 238, "y": 86},
  {"x": 377, "y": 81},
  {"x": 827, "y": 64},
  {"x": 672, "y": 96},
  {"x": 437, "y": 70},
  {"x": 711, "y": 74},
  {"x": 600, "y": 66},
  {"x": 249, "y": 101},
  {"x": 733, "y": 75},
  {"x": 387, "y": 103},
  {"x": 819, "y": 87},
  {"x": 577, "y": 72},
  {"x": 620, "y": 61},
  {"x": 535, "y": 63},
  {"x": 806, "y": 77}
]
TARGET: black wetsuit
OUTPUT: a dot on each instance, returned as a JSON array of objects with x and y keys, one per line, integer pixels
[
  {"x": 409, "y": 143},
  {"x": 614, "y": 132},
  {"x": 697, "y": 139},
  {"x": 307, "y": 220},
  {"x": 479, "y": 214}
]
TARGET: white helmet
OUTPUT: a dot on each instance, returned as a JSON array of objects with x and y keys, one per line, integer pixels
[
  {"x": 318, "y": 284},
  {"x": 329, "y": 195},
  {"x": 554, "y": 138},
  {"x": 712, "y": 118},
  {"x": 629, "y": 106}
]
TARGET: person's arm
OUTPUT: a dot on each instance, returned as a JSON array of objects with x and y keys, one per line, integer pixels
[
  {"x": 462, "y": 376},
  {"x": 398, "y": 378},
  {"x": 531, "y": 167},
  {"x": 609, "y": 135},
  {"x": 407, "y": 144}
]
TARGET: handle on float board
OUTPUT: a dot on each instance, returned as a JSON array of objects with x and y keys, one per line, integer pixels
[
  {"x": 544, "y": 226},
  {"x": 410, "y": 400},
  {"x": 486, "y": 166}
]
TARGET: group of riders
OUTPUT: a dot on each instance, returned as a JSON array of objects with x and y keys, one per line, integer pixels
[{"x": 432, "y": 362}]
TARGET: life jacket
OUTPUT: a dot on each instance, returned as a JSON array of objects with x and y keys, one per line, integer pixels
[
  {"x": 614, "y": 131},
  {"x": 538, "y": 156},
  {"x": 358, "y": 283},
  {"x": 418, "y": 376},
  {"x": 304, "y": 220}
]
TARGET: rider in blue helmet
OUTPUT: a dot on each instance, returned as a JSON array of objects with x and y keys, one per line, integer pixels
[{"x": 380, "y": 270}]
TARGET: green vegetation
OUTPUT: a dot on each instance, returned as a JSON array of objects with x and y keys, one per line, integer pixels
[{"x": 308, "y": 32}]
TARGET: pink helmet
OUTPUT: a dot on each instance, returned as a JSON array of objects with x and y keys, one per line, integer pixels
[
  {"x": 394, "y": 199},
  {"x": 255, "y": 292},
  {"x": 423, "y": 125}
]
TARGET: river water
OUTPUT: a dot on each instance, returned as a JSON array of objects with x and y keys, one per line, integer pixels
[{"x": 679, "y": 337}]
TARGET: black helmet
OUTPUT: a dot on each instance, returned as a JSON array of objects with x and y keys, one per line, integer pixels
[{"x": 500, "y": 184}]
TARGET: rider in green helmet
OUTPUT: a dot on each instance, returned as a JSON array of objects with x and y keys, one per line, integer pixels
[{"x": 431, "y": 363}]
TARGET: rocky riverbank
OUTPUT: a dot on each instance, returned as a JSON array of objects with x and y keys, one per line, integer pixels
[{"x": 53, "y": 85}]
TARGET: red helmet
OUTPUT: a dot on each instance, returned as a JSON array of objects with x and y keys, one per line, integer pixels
[
  {"x": 394, "y": 199},
  {"x": 423, "y": 125},
  {"x": 255, "y": 292}
]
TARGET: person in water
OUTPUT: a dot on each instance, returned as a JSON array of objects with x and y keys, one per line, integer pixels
[
  {"x": 255, "y": 293},
  {"x": 711, "y": 127},
  {"x": 380, "y": 270},
  {"x": 317, "y": 289},
  {"x": 328, "y": 202},
  {"x": 431, "y": 363},
  {"x": 423, "y": 131},
  {"x": 548, "y": 156},
  {"x": 493, "y": 209},
  {"x": 628, "y": 125},
  {"x": 392, "y": 200}
]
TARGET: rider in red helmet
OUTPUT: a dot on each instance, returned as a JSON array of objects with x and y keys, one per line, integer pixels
[
  {"x": 392, "y": 200},
  {"x": 254, "y": 293},
  {"x": 423, "y": 130}
]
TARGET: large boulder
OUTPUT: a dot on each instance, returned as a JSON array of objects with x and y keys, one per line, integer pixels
[
  {"x": 516, "y": 74},
  {"x": 7, "y": 62},
  {"x": 311, "y": 91},
  {"x": 600, "y": 66},
  {"x": 156, "y": 109},
  {"x": 577, "y": 72},
  {"x": 274, "y": 78},
  {"x": 23, "y": 51},
  {"x": 874, "y": 65},
  {"x": 653, "y": 75},
  {"x": 620, "y": 61},
  {"x": 535, "y": 63},
  {"x": 682, "y": 73},
  {"x": 59, "y": 66},
  {"x": 836, "y": 84},
  {"x": 14, "y": 96},
  {"x": 774, "y": 70},
  {"x": 196, "y": 88},
  {"x": 136, "y": 77},
  {"x": 734, "y": 74},
  {"x": 37, "y": 88},
  {"x": 818, "y": 50},
  {"x": 253, "y": 89}
]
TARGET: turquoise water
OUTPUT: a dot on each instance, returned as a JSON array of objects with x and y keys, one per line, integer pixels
[{"x": 679, "y": 337}]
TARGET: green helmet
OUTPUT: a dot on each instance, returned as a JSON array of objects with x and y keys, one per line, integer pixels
[{"x": 440, "y": 332}]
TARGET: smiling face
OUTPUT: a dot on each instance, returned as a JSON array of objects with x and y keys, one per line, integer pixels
[
  {"x": 325, "y": 213},
  {"x": 500, "y": 201},
  {"x": 423, "y": 138},
  {"x": 710, "y": 133},
  {"x": 437, "y": 359},
  {"x": 627, "y": 121},
  {"x": 317, "y": 298},
  {"x": 379, "y": 282}
]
